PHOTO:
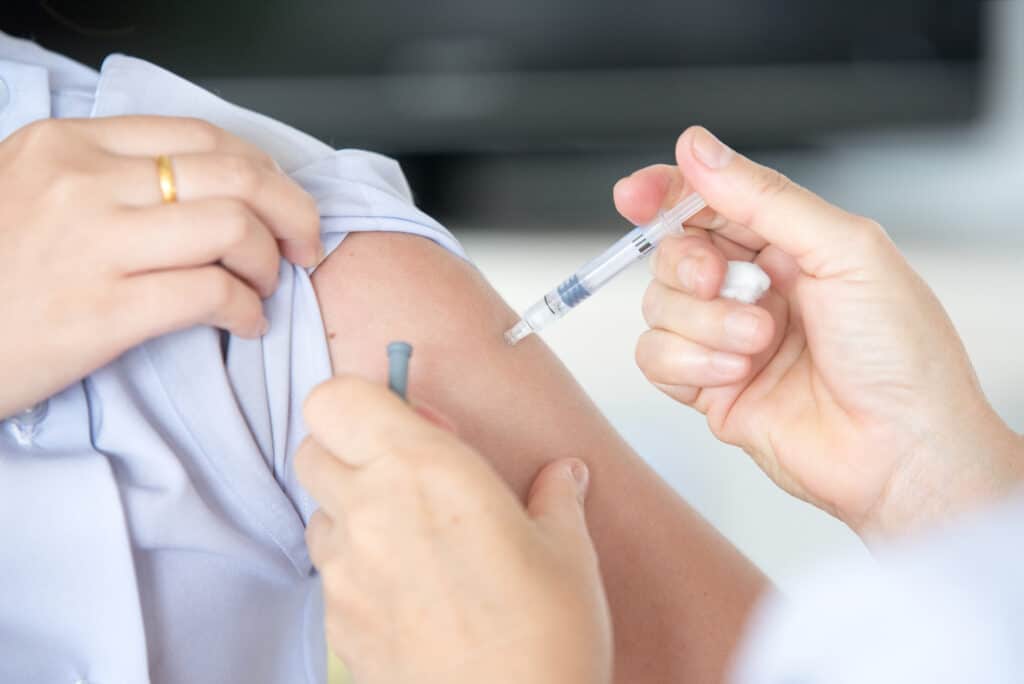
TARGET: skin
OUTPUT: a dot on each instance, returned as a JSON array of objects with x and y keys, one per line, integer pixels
[
  {"x": 850, "y": 388},
  {"x": 677, "y": 608},
  {"x": 84, "y": 230},
  {"x": 88, "y": 246},
  {"x": 434, "y": 501},
  {"x": 847, "y": 383}
]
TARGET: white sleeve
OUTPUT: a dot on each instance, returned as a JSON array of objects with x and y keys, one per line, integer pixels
[{"x": 946, "y": 608}]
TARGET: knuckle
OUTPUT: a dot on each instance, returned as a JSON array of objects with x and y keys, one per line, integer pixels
[
  {"x": 235, "y": 223},
  {"x": 66, "y": 188},
  {"x": 219, "y": 289},
  {"x": 771, "y": 183},
  {"x": 240, "y": 174},
  {"x": 265, "y": 160},
  {"x": 204, "y": 134},
  {"x": 40, "y": 133},
  {"x": 870, "y": 235}
]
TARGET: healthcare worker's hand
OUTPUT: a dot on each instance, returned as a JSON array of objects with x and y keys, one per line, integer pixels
[
  {"x": 431, "y": 568},
  {"x": 92, "y": 262},
  {"x": 847, "y": 383}
]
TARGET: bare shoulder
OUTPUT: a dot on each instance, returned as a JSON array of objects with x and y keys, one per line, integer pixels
[
  {"x": 505, "y": 401},
  {"x": 379, "y": 287}
]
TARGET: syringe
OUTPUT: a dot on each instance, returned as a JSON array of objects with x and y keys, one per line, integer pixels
[{"x": 744, "y": 281}]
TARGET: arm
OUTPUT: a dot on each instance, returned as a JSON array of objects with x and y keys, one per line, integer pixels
[{"x": 679, "y": 593}]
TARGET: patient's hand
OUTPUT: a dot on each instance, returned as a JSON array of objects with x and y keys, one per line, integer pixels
[
  {"x": 92, "y": 263},
  {"x": 847, "y": 384},
  {"x": 432, "y": 570}
]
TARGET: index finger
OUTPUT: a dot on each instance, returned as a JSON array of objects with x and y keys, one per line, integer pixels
[
  {"x": 152, "y": 136},
  {"x": 819, "y": 235},
  {"x": 641, "y": 195},
  {"x": 361, "y": 422}
]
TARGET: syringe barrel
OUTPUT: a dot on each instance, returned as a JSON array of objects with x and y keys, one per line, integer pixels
[
  {"x": 597, "y": 272},
  {"x": 593, "y": 275}
]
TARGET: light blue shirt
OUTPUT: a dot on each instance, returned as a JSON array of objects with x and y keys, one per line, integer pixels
[{"x": 153, "y": 527}]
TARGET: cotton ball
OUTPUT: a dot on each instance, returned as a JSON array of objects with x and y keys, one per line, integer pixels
[{"x": 745, "y": 282}]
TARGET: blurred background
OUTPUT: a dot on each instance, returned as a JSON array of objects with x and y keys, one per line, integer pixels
[{"x": 513, "y": 120}]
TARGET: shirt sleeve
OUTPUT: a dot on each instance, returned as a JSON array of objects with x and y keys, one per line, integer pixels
[
  {"x": 357, "y": 191},
  {"x": 945, "y": 608}
]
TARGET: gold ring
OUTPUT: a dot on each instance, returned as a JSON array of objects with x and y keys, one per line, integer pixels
[{"x": 166, "y": 172}]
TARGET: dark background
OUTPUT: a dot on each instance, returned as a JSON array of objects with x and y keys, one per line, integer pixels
[{"x": 556, "y": 90}]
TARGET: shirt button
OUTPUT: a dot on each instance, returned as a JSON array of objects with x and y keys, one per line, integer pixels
[
  {"x": 24, "y": 426},
  {"x": 5, "y": 95}
]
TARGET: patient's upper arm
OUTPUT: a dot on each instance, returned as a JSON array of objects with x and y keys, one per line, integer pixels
[
  {"x": 509, "y": 403},
  {"x": 679, "y": 592}
]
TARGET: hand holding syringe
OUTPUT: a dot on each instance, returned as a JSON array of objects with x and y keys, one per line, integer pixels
[{"x": 744, "y": 281}]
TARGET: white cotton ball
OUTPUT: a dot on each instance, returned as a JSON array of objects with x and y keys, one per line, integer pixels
[{"x": 745, "y": 282}]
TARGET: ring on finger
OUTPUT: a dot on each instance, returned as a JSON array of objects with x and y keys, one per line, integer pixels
[{"x": 165, "y": 173}]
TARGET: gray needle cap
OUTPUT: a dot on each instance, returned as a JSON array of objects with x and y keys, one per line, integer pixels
[{"x": 398, "y": 367}]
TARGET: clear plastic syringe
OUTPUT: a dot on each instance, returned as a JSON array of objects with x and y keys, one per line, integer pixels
[{"x": 744, "y": 280}]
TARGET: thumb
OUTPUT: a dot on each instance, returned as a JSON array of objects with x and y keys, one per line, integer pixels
[
  {"x": 816, "y": 233},
  {"x": 556, "y": 497}
]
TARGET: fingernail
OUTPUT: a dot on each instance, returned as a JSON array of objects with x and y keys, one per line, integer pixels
[
  {"x": 687, "y": 273},
  {"x": 741, "y": 326},
  {"x": 728, "y": 364},
  {"x": 581, "y": 474},
  {"x": 709, "y": 150}
]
